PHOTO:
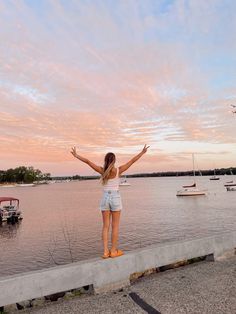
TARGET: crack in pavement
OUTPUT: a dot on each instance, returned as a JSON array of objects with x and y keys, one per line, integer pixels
[{"x": 144, "y": 305}]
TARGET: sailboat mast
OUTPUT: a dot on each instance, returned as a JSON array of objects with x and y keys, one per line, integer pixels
[{"x": 193, "y": 167}]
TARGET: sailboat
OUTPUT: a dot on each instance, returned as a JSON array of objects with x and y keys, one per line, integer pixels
[
  {"x": 214, "y": 177},
  {"x": 230, "y": 185},
  {"x": 191, "y": 190}
]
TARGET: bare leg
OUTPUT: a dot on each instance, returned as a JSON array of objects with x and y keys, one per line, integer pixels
[
  {"x": 106, "y": 217},
  {"x": 115, "y": 229}
]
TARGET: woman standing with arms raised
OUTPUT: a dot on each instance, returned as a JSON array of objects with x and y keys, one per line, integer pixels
[{"x": 111, "y": 204}]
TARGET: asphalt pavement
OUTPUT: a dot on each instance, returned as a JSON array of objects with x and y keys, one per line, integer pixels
[{"x": 204, "y": 287}]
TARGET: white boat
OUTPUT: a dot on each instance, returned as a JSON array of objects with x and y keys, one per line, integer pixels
[
  {"x": 231, "y": 188},
  {"x": 25, "y": 184},
  {"x": 191, "y": 190},
  {"x": 9, "y": 209},
  {"x": 8, "y": 185},
  {"x": 124, "y": 182},
  {"x": 43, "y": 182},
  {"x": 214, "y": 177},
  {"x": 230, "y": 184}
]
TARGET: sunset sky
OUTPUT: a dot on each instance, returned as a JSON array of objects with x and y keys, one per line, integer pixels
[{"x": 113, "y": 75}]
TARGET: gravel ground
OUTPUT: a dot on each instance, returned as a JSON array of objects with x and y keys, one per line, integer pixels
[{"x": 205, "y": 287}]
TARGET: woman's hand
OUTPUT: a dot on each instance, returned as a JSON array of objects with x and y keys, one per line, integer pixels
[
  {"x": 73, "y": 151},
  {"x": 134, "y": 159},
  {"x": 145, "y": 148},
  {"x": 85, "y": 160}
]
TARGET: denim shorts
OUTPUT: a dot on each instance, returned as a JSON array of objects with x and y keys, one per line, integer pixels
[{"x": 111, "y": 200}]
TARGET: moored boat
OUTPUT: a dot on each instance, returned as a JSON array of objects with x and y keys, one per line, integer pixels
[
  {"x": 231, "y": 188},
  {"x": 8, "y": 185},
  {"x": 230, "y": 184},
  {"x": 26, "y": 184},
  {"x": 191, "y": 190},
  {"x": 9, "y": 209},
  {"x": 214, "y": 177}
]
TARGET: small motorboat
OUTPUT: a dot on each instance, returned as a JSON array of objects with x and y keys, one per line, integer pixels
[
  {"x": 9, "y": 209},
  {"x": 231, "y": 188},
  {"x": 8, "y": 185},
  {"x": 230, "y": 184},
  {"x": 25, "y": 185}
]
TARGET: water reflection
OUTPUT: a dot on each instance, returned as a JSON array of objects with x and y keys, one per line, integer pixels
[{"x": 9, "y": 230}]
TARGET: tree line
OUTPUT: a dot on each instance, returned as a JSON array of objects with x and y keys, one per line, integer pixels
[
  {"x": 218, "y": 172},
  {"x": 210, "y": 172},
  {"x": 29, "y": 174},
  {"x": 23, "y": 174}
]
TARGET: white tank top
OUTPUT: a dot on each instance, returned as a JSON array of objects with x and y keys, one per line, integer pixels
[{"x": 113, "y": 184}]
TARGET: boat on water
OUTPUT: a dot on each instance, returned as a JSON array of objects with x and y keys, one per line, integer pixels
[
  {"x": 214, "y": 177},
  {"x": 17, "y": 185},
  {"x": 192, "y": 189},
  {"x": 124, "y": 182},
  {"x": 43, "y": 182},
  {"x": 9, "y": 210},
  {"x": 231, "y": 188},
  {"x": 190, "y": 186},
  {"x": 26, "y": 184},
  {"x": 191, "y": 192},
  {"x": 230, "y": 185},
  {"x": 8, "y": 185}
]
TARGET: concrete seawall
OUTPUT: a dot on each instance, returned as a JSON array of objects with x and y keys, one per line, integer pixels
[{"x": 110, "y": 274}]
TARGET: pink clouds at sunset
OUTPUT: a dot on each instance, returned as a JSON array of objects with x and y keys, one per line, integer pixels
[{"x": 112, "y": 77}]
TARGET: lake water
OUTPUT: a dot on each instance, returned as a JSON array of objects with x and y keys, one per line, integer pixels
[{"x": 62, "y": 222}]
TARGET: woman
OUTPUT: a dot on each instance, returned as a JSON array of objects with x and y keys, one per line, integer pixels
[{"x": 111, "y": 202}]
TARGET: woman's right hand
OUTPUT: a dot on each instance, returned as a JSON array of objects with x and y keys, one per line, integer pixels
[
  {"x": 145, "y": 148},
  {"x": 73, "y": 151}
]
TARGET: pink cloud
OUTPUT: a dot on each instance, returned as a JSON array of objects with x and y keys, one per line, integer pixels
[{"x": 60, "y": 88}]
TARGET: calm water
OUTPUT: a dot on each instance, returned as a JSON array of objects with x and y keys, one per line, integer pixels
[{"x": 62, "y": 222}]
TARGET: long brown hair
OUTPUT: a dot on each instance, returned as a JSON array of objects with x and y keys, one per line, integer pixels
[{"x": 109, "y": 162}]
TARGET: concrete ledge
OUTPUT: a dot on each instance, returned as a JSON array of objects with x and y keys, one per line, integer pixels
[{"x": 109, "y": 274}]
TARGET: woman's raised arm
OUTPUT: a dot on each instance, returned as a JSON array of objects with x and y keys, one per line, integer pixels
[
  {"x": 126, "y": 166},
  {"x": 85, "y": 160}
]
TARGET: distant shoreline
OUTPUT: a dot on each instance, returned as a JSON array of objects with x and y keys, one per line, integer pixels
[{"x": 218, "y": 172}]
